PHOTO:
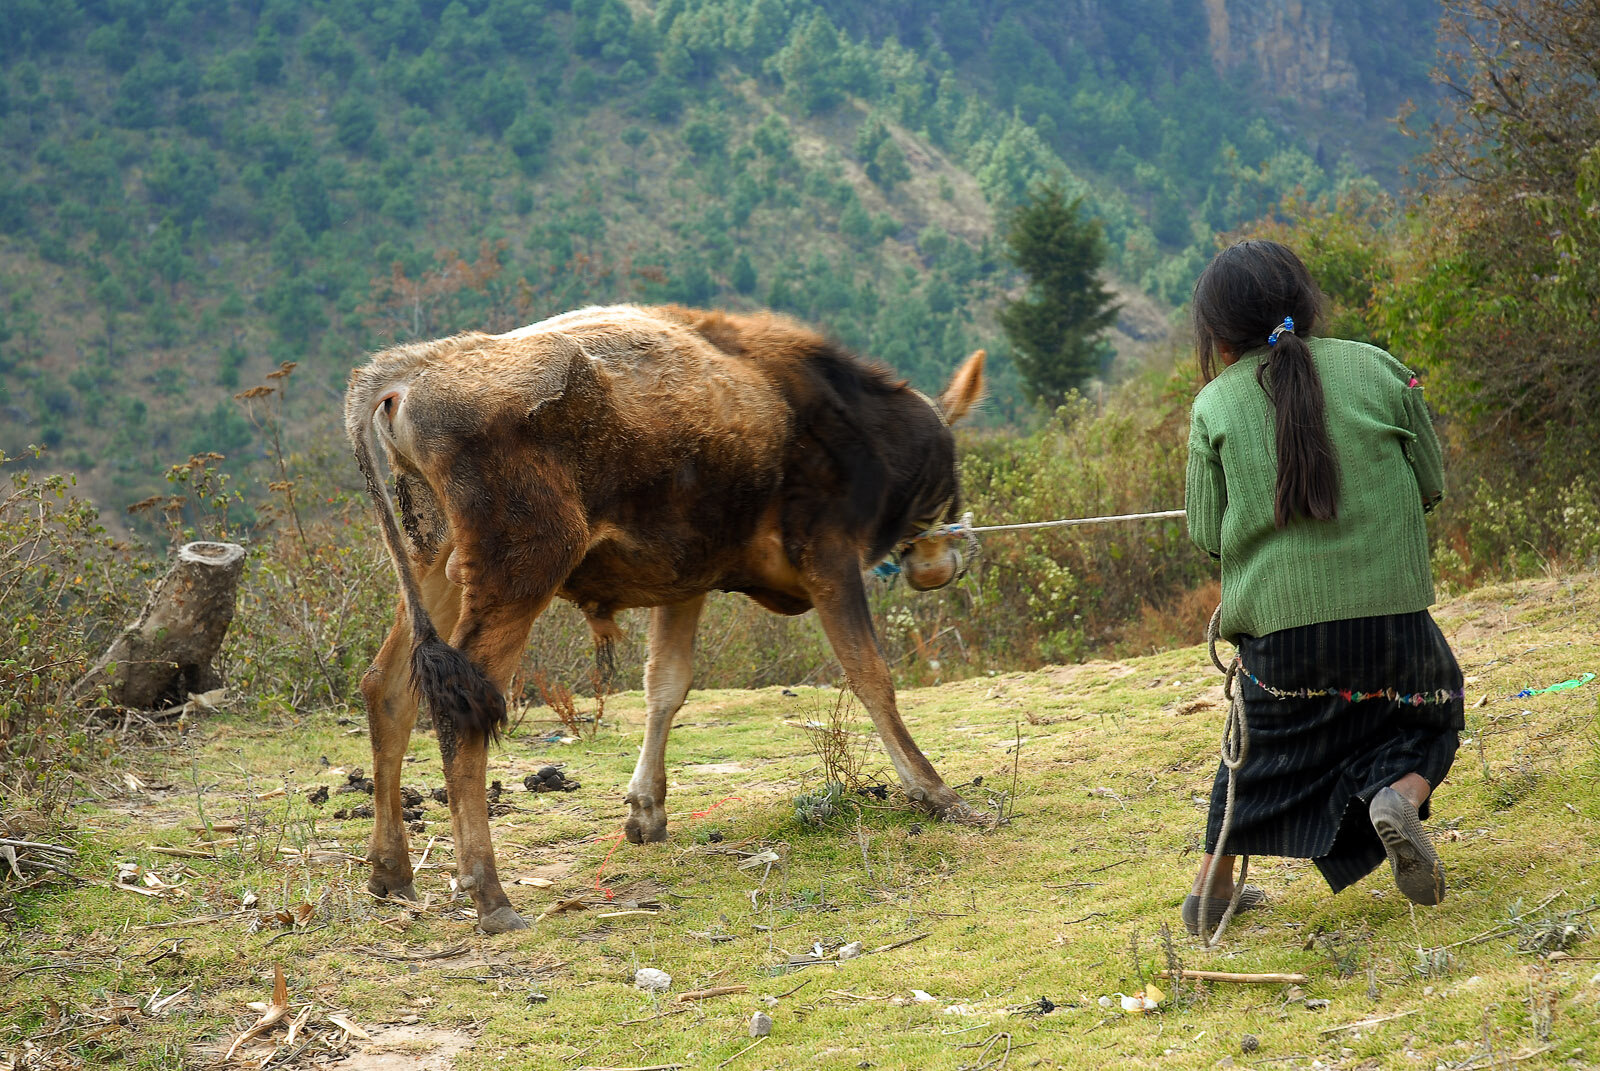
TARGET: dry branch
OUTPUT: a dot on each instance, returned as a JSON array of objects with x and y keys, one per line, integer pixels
[
  {"x": 1224, "y": 976},
  {"x": 714, "y": 991}
]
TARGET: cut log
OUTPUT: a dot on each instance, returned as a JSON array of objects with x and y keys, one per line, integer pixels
[{"x": 167, "y": 652}]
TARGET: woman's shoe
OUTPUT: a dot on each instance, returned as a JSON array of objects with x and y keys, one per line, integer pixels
[
  {"x": 1418, "y": 873},
  {"x": 1252, "y": 896}
]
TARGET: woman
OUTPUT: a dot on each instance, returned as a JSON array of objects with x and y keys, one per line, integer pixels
[{"x": 1311, "y": 463}]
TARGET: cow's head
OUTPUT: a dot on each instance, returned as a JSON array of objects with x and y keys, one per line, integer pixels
[{"x": 941, "y": 552}]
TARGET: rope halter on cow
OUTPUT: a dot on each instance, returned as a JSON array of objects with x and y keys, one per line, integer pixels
[{"x": 966, "y": 554}]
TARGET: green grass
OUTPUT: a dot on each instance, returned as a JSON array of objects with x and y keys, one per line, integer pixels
[{"x": 1065, "y": 902}]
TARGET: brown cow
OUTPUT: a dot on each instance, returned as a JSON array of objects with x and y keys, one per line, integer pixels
[{"x": 627, "y": 457}]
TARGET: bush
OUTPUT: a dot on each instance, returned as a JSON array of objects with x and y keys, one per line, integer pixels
[{"x": 65, "y": 588}]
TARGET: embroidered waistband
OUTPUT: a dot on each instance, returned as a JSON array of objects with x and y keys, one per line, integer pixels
[{"x": 1350, "y": 695}]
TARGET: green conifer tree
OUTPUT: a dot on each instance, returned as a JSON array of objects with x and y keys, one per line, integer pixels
[{"x": 1055, "y": 327}]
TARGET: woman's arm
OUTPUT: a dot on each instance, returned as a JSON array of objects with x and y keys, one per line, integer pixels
[
  {"x": 1205, "y": 489},
  {"x": 1427, "y": 461}
]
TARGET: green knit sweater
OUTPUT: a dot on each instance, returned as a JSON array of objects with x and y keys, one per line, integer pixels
[{"x": 1372, "y": 559}]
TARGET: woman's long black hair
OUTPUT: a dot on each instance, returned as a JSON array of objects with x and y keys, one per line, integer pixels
[{"x": 1244, "y": 294}]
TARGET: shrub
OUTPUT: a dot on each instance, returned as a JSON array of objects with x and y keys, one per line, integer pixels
[{"x": 65, "y": 588}]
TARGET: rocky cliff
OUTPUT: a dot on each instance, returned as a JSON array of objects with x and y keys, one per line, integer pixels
[
  {"x": 1349, "y": 57},
  {"x": 1297, "y": 47}
]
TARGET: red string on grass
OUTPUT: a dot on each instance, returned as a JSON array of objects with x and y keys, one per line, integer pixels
[
  {"x": 714, "y": 806},
  {"x": 615, "y": 839}
]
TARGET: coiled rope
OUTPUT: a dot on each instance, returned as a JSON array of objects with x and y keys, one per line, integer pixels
[{"x": 1235, "y": 747}]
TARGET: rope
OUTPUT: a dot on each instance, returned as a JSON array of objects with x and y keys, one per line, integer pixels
[
  {"x": 889, "y": 568},
  {"x": 1075, "y": 521},
  {"x": 1235, "y": 746}
]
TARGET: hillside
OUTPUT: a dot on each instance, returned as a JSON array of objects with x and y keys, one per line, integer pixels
[
  {"x": 191, "y": 194},
  {"x": 204, "y": 866}
]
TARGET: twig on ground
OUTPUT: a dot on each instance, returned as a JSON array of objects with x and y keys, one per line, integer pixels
[
  {"x": 714, "y": 991},
  {"x": 742, "y": 1051},
  {"x": 1225, "y": 976},
  {"x": 1362, "y": 1024},
  {"x": 985, "y": 1062},
  {"x": 898, "y": 944},
  {"x": 796, "y": 989}
]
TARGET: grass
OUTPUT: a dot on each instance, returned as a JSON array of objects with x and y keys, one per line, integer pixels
[{"x": 1066, "y": 902}]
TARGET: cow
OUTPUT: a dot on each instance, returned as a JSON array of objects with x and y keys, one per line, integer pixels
[{"x": 622, "y": 457}]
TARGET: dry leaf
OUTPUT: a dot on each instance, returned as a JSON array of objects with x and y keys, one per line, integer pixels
[
  {"x": 758, "y": 859},
  {"x": 156, "y": 1007},
  {"x": 349, "y": 1028},
  {"x": 271, "y": 1017},
  {"x": 1147, "y": 999},
  {"x": 296, "y": 1025}
]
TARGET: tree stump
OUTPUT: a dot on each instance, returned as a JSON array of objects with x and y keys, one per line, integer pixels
[{"x": 167, "y": 652}]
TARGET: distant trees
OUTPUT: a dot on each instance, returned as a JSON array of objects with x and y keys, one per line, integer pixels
[
  {"x": 1055, "y": 327},
  {"x": 880, "y": 155}
]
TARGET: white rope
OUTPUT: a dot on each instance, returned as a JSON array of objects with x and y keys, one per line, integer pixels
[
  {"x": 1235, "y": 746},
  {"x": 1075, "y": 521}
]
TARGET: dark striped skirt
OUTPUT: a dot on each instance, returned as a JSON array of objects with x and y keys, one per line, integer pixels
[{"x": 1315, "y": 761}]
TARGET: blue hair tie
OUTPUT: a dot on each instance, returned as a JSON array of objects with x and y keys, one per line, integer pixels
[{"x": 1287, "y": 325}]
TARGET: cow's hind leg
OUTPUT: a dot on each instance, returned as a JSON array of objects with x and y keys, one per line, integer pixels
[
  {"x": 666, "y": 682},
  {"x": 391, "y": 715},
  {"x": 492, "y": 637},
  {"x": 841, "y": 603}
]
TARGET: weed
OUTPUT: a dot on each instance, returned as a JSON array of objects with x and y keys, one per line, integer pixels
[
  {"x": 1548, "y": 931},
  {"x": 1434, "y": 963},
  {"x": 815, "y": 808},
  {"x": 1169, "y": 948},
  {"x": 559, "y": 698},
  {"x": 839, "y": 746},
  {"x": 1345, "y": 952}
]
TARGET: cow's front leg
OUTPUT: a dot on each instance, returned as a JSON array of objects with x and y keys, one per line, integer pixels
[
  {"x": 492, "y": 638},
  {"x": 841, "y": 603},
  {"x": 666, "y": 683}
]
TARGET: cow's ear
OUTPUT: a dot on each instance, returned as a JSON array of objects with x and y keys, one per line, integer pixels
[
  {"x": 549, "y": 377},
  {"x": 965, "y": 389}
]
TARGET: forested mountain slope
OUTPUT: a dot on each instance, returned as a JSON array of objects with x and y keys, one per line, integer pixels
[{"x": 192, "y": 192}]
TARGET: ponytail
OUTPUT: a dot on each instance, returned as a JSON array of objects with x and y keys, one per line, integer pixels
[
  {"x": 1308, "y": 468},
  {"x": 1259, "y": 292}
]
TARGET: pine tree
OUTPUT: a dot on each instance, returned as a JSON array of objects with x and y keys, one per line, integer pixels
[{"x": 1055, "y": 327}]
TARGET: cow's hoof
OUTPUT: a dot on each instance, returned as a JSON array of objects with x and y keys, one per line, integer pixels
[
  {"x": 962, "y": 814},
  {"x": 391, "y": 888},
  {"x": 502, "y": 920},
  {"x": 645, "y": 831}
]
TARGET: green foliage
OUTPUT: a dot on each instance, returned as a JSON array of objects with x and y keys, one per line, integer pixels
[
  {"x": 820, "y": 806},
  {"x": 529, "y": 138},
  {"x": 65, "y": 589},
  {"x": 1055, "y": 329},
  {"x": 813, "y": 66}
]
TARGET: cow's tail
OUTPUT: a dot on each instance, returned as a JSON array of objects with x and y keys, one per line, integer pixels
[{"x": 456, "y": 690}]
